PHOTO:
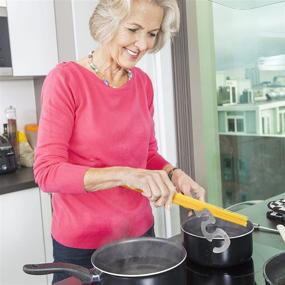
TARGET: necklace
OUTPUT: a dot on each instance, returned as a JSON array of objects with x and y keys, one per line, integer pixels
[{"x": 94, "y": 67}]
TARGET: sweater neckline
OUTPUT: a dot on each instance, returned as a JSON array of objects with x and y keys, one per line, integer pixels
[{"x": 100, "y": 81}]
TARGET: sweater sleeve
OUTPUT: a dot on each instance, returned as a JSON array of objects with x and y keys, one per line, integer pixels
[
  {"x": 155, "y": 160},
  {"x": 52, "y": 170}
]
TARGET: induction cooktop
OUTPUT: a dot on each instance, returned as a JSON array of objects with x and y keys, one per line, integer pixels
[{"x": 249, "y": 273}]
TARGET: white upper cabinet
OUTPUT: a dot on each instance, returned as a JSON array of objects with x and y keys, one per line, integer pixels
[
  {"x": 32, "y": 36},
  {"x": 3, "y": 3}
]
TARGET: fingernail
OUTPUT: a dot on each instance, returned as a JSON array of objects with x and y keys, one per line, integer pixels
[{"x": 167, "y": 207}]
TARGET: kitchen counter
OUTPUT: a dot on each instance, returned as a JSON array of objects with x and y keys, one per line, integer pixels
[{"x": 21, "y": 179}]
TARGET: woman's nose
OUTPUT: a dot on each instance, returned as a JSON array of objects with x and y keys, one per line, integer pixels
[{"x": 141, "y": 43}]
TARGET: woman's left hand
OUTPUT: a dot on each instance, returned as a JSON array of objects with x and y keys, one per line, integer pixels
[{"x": 187, "y": 185}]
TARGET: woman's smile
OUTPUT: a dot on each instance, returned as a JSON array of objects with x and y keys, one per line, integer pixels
[{"x": 132, "y": 53}]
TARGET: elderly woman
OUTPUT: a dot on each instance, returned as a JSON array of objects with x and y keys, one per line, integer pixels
[{"x": 96, "y": 135}]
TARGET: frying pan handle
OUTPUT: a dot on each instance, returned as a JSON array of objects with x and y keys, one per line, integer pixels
[{"x": 77, "y": 271}]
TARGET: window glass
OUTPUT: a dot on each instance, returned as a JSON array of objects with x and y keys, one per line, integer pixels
[
  {"x": 231, "y": 125},
  {"x": 240, "y": 127},
  {"x": 250, "y": 81}
]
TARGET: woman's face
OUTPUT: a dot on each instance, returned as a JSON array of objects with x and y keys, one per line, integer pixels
[{"x": 137, "y": 33}]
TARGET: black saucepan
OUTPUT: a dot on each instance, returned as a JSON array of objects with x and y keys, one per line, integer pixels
[
  {"x": 200, "y": 250},
  {"x": 274, "y": 270},
  {"x": 139, "y": 261}
]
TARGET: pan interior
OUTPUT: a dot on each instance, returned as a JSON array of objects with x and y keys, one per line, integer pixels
[
  {"x": 136, "y": 257},
  {"x": 275, "y": 269},
  {"x": 193, "y": 226}
]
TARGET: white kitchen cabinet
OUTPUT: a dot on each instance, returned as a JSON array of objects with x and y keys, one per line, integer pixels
[
  {"x": 23, "y": 237},
  {"x": 32, "y": 36},
  {"x": 46, "y": 210},
  {"x": 3, "y": 3}
]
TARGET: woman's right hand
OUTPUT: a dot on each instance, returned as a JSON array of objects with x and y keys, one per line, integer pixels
[{"x": 155, "y": 185}]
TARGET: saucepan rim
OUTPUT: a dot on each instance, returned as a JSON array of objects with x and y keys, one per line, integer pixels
[
  {"x": 267, "y": 263},
  {"x": 249, "y": 224},
  {"x": 155, "y": 239}
]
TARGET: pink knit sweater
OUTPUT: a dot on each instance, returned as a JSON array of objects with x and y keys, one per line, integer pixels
[{"x": 86, "y": 124}]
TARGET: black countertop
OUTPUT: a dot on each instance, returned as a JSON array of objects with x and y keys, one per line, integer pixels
[{"x": 21, "y": 179}]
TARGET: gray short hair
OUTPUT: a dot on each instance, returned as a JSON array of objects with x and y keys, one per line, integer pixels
[{"x": 108, "y": 14}]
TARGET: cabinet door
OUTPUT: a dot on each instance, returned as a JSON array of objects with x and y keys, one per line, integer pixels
[
  {"x": 32, "y": 36},
  {"x": 46, "y": 219},
  {"x": 21, "y": 237},
  {"x": 3, "y": 3}
]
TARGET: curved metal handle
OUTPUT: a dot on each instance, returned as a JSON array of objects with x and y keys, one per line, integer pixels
[
  {"x": 264, "y": 229},
  {"x": 77, "y": 271}
]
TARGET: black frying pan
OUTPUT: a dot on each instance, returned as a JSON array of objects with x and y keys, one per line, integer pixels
[{"x": 274, "y": 270}]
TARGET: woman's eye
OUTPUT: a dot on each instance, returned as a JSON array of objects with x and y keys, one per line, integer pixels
[
  {"x": 153, "y": 35},
  {"x": 132, "y": 30}
]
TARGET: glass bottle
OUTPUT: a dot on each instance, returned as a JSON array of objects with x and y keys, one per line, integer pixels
[
  {"x": 12, "y": 128},
  {"x": 12, "y": 124}
]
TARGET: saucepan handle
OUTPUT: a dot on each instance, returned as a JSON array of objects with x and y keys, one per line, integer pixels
[{"x": 77, "y": 271}]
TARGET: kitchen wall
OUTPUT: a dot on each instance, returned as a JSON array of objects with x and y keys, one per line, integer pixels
[
  {"x": 20, "y": 94},
  {"x": 84, "y": 41}
]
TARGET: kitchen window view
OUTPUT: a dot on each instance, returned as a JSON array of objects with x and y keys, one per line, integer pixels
[{"x": 250, "y": 82}]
